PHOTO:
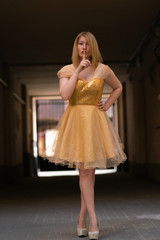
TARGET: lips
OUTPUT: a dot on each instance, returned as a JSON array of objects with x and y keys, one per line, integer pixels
[{"x": 84, "y": 52}]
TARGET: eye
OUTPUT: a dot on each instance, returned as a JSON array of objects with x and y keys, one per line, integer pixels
[{"x": 80, "y": 43}]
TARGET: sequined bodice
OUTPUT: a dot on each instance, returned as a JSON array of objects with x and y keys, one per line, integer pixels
[{"x": 87, "y": 92}]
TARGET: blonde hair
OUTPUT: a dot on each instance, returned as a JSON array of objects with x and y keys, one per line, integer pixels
[{"x": 94, "y": 49}]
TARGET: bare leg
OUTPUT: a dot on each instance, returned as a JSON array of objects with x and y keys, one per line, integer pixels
[
  {"x": 87, "y": 180},
  {"x": 83, "y": 210},
  {"x": 82, "y": 214}
]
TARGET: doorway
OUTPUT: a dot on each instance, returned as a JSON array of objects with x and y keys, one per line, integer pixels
[{"x": 46, "y": 112}]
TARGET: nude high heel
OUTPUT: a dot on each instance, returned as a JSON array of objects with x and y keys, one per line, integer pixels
[
  {"x": 82, "y": 232},
  {"x": 94, "y": 235}
]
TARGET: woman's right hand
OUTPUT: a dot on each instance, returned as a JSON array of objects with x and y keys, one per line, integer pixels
[{"x": 83, "y": 64}]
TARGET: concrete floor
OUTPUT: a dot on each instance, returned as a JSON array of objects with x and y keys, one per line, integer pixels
[{"x": 46, "y": 208}]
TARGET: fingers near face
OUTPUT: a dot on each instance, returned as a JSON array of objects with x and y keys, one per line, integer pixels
[
  {"x": 85, "y": 63},
  {"x": 83, "y": 55}
]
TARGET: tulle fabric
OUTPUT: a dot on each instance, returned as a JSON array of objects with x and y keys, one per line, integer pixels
[
  {"x": 85, "y": 138},
  {"x": 102, "y": 71}
]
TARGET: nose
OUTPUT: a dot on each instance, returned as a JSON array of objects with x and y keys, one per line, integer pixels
[{"x": 84, "y": 46}]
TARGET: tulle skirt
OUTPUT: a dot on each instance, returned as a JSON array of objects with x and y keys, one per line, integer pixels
[{"x": 85, "y": 138}]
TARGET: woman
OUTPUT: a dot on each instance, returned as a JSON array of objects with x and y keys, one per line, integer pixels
[{"x": 86, "y": 138}]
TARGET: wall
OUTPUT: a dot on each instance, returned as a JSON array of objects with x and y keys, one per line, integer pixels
[
  {"x": 11, "y": 134},
  {"x": 129, "y": 121},
  {"x": 143, "y": 113},
  {"x": 2, "y": 89},
  {"x": 152, "y": 121}
]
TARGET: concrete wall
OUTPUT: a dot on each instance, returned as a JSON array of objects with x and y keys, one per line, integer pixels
[
  {"x": 129, "y": 121},
  {"x": 143, "y": 114},
  {"x": 2, "y": 89},
  {"x": 152, "y": 121},
  {"x": 2, "y": 153},
  {"x": 11, "y": 134}
]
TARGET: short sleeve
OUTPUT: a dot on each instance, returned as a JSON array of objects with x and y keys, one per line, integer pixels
[
  {"x": 106, "y": 70},
  {"x": 65, "y": 72},
  {"x": 103, "y": 71}
]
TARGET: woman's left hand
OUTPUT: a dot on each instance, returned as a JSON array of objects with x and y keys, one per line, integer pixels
[{"x": 101, "y": 106}]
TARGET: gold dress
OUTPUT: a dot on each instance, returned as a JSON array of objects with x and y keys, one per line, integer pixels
[{"x": 85, "y": 135}]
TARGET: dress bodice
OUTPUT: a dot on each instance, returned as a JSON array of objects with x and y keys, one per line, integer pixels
[{"x": 87, "y": 92}]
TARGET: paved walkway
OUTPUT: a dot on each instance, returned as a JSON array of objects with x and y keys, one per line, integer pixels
[{"x": 46, "y": 208}]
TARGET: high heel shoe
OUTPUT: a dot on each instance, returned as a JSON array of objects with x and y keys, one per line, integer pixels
[
  {"x": 94, "y": 235},
  {"x": 82, "y": 232}
]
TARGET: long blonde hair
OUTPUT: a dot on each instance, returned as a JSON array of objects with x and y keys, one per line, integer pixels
[{"x": 94, "y": 50}]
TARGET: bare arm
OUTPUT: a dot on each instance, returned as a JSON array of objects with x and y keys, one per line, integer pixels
[
  {"x": 67, "y": 85},
  {"x": 116, "y": 85}
]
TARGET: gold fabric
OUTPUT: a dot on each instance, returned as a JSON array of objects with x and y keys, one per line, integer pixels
[
  {"x": 87, "y": 93},
  {"x": 85, "y": 135}
]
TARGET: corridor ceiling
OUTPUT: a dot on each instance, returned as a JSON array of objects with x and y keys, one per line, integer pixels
[{"x": 42, "y": 32}]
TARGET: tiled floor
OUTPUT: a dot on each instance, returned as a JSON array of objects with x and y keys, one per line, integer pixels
[{"x": 46, "y": 208}]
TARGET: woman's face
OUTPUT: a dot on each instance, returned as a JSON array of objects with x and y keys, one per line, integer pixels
[{"x": 83, "y": 48}]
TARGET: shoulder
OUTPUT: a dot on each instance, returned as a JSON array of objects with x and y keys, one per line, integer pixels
[
  {"x": 66, "y": 71},
  {"x": 104, "y": 70},
  {"x": 104, "y": 67}
]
